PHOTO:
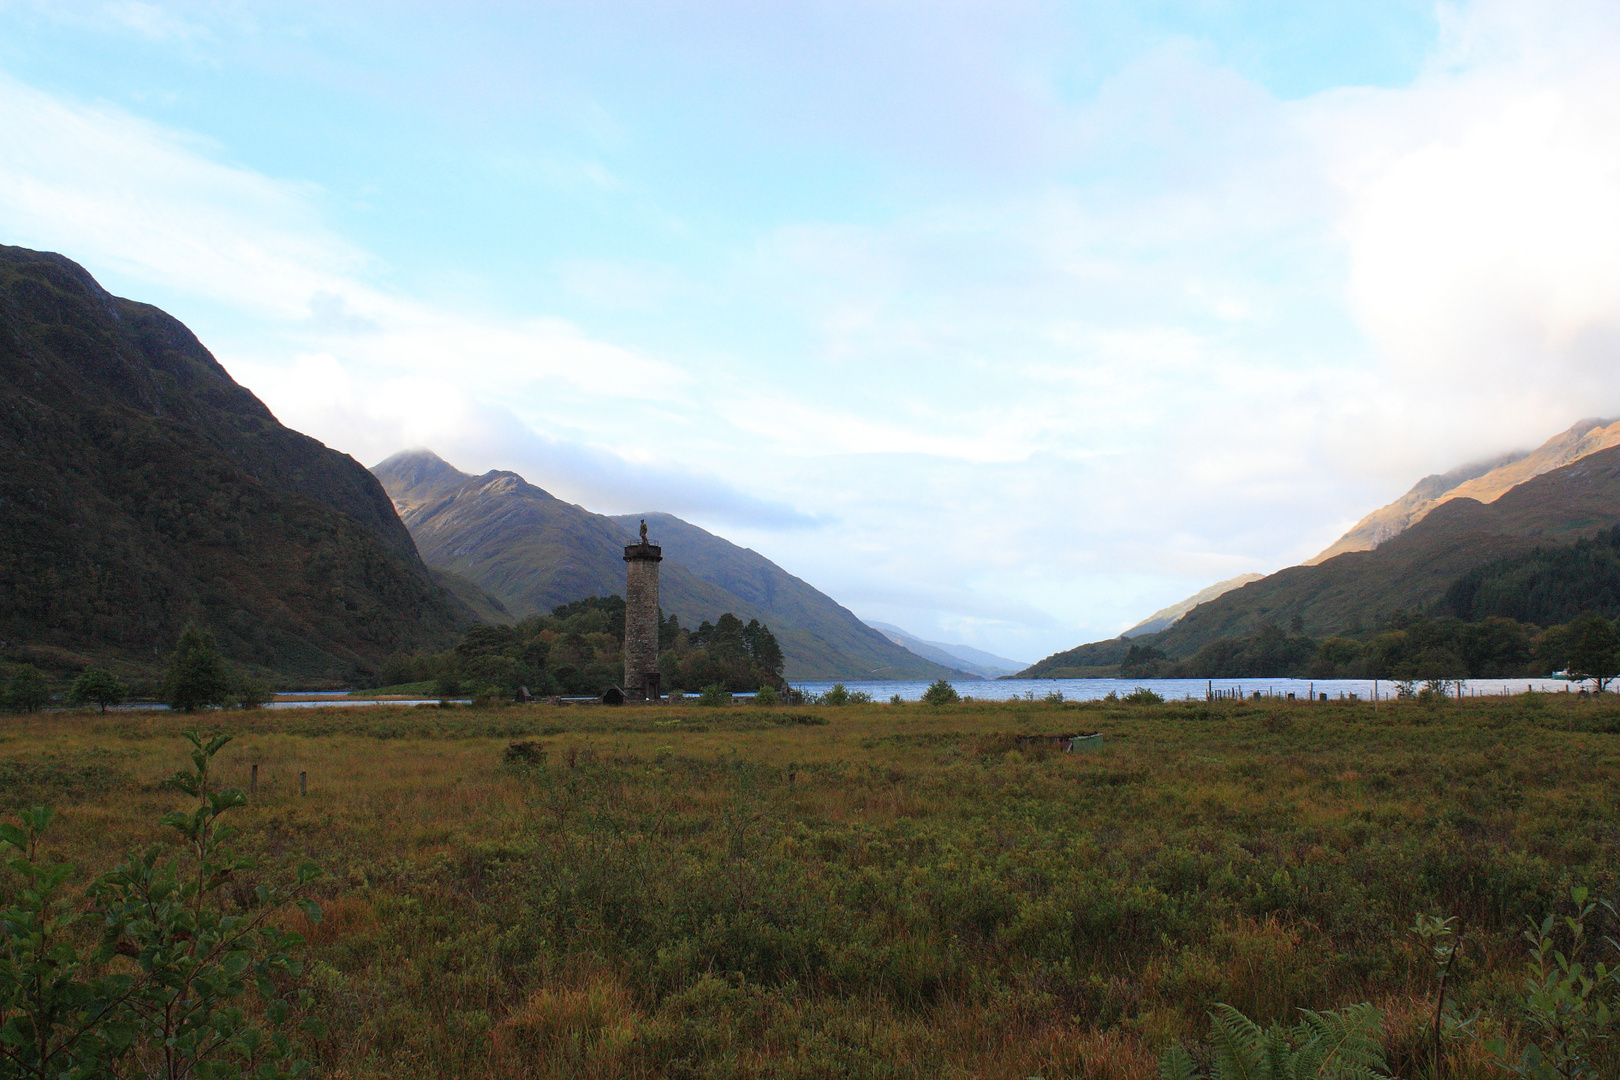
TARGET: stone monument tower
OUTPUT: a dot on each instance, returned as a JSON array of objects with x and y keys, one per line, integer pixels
[{"x": 641, "y": 619}]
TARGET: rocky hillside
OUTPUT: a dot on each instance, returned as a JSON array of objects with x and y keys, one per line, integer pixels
[
  {"x": 142, "y": 488},
  {"x": 533, "y": 552},
  {"x": 1355, "y": 591},
  {"x": 1484, "y": 481}
]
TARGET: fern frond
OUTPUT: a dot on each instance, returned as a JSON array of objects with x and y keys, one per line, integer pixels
[
  {"x": 1344, "y": 1045},
  {"x": 1239, "y": 1044}
]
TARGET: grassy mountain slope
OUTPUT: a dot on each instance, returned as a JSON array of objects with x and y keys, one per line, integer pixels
[
  {"x": 1484, "y": 482},
  {"x": 533, "y": 551},
  {"x": 1165, "y": 617},
  {"x": 142, "y": 488},
  {"x": 1355, "y": 591}
]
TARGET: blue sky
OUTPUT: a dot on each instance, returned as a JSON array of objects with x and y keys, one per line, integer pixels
[{"x": 1005, "y": 323}]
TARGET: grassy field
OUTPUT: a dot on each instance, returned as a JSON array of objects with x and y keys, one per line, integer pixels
[{"x": 875, "y": 891}]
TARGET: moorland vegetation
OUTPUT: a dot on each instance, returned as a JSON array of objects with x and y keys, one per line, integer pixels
[{"x": 898, "y": 891}]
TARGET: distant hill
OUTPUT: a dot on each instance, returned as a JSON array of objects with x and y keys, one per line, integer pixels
[
  {"x": 1356, "y": 591},
  {"x": 533, "y": 552},
  {"x": 1164, "y": 617},
  {"x": 142, "y": 488},
  {"x": 1484, "y": 481},
  {"x": 971, "y": 660}
]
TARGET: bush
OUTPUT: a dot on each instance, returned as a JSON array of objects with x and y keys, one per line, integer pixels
[
  {"x": 897, "y": 700},
  {"x": 446, "y": 686},
  {"x": 252, "y": 693},
  {"x": 98, "y": 686},
  {"x": 941, "y": 692},
  {"x": 1142, "y": 696},
  {"x": 860, "y": 697},
  {"x": 836, "y": 696},
  {"x": 766, "y": 696},
  {"x": 714, "y": 696},
  {"x": 1054, "y": 698},
  {"x": 28, "y": 690}
]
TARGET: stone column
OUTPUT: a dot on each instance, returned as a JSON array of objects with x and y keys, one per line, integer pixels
[{"x": 641, "y": 560}]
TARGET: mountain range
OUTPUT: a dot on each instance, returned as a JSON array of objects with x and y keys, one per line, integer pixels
[
  {"x": 141, "y": 489},
  {"x": 532, "y": 551},
  {"x": 966, "y": 657},
  {"x": 1358, "y": 590}
]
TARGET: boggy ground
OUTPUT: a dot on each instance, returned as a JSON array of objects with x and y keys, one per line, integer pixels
[{"x": 874, "y": 891}]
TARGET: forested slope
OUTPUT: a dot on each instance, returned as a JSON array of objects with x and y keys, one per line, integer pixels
[{"x": 141, "y": 488}]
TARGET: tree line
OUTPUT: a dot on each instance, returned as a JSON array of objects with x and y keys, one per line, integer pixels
[
  {"x": 197, "y": 677},
  {"x": 1410, "y": 647},
  {"x": 578, "y": 649}
]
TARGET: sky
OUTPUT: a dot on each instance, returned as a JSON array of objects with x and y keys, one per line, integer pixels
[{"x": 1005, "y": 323}]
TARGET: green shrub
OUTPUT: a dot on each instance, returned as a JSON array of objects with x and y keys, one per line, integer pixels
[
  {"x": 713, "y": 696},
  {"x": 1142, "y": 696},
  {"x": 941, "y": 692},
  {"x": 838, "y": 695},
  {"x": 860, "y": 697},
  {"x": 251, "y": 693},
  {"x": 766, "y": 696},
  {"x": 896, "y": 699}
]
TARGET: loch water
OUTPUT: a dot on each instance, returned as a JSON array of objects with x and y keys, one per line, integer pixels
[{"x": 1177, "y": 689}]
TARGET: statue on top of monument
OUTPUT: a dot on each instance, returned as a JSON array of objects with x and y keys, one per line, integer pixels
[{"x": 643, "y": 530}]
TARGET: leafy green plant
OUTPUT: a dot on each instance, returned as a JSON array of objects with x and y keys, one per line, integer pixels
[
  {"x": 766, "y": 695},
  {"x": 1142, "y": 696},
  {"x": 1054, "y": 697},
  {"x": 860, "y": 697},
  {"x": 1566, "y": 1002},
  {"x": 1439, "y": 934},
  {"x": 838, "y": 695},
  {"x": 941, "y": 692},
  {"x": 1336, "y": 1045},
  {"x": 165, "y": 992},
  {"x": 896, "y": 699},
  {"x": 98, "y": 686}
]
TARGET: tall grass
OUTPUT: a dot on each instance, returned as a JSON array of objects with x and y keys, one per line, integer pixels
[{"x": 878, "y": 891}]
